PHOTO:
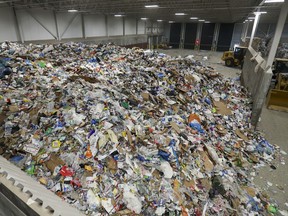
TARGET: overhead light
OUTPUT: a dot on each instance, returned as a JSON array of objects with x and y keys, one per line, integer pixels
[
  {"x": 159, "y": 20},
  {"x": 193, "y": 18},
  {"x": 274, "y": 1},
  {"x": 201, "y": 20},
  {"x": 171, "y": 21},
  {"x": 260, "y": 12},
  {"x": 251, "y": 18},
  {"x": 118, "y": 15},
  {"x": 72, "y": 11},
  {"x": 144, "y": 18},
  {"x": 179, "y": 14},
  {"x": 151, "y": 6},
  {"x": 246, "y": 20},
  {"x": 207, "y": 22}
]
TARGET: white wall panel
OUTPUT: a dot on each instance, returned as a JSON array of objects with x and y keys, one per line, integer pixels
[
  {"x": 7, "y": 25},
  {"x": 130, "y": 26},
  {"x": 74, "y": 30},
  {"x": 95, "y": 25},
  {"x": 115, "y": 26},
  {"x": 141, "y": 27},
  {"x": 31, "y": 29},
  {"x": 31, "y": 24}
]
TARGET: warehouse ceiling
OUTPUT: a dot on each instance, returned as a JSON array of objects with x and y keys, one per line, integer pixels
[{"x": 224, "y": 11}]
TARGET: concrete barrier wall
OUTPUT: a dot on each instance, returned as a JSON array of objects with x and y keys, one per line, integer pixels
[{"x": 256, "y": 78}]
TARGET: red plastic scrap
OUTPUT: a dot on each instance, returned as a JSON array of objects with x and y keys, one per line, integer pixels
[{"x": 66, "y": 171}]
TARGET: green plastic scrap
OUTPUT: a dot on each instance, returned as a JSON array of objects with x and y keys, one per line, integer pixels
[
  {"x": 125, "y": 105},
  {"x": 30, "y": 169},
  {"x": 272, "y": 209},
  {"x": 42, "y": 64}
]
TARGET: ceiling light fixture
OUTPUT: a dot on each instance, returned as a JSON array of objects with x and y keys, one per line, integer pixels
[
  {"x": 151, "y": 6},
  {"x": 118, "y": 15},
  {"x": 251, "y": 18},
  {"x": 144, "y": 18},
  {"x": 72, "y": 11},
  {"x": 180, "y": 14},
  {"x": 201, "y": 20},
  {"x": 274, "y": 1},
  {"x": 159, "y": 20},
  {"x": 193, "y": 18},
  {"x": 207, "y": 22},
  {"x": 171, "y": 21}
]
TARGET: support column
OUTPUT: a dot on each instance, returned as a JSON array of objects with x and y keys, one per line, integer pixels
[
  {"x": 123, "y": 20},
  {"x": 256, "y": 21},
  {"x": 157, "y": 41},
  {"x": 182, "y": 36},
  {"x": 215, "y": 37},
  {"x": 56, "y": 25},
  {"x": 198, "y": 35},
  {"x": 83, "y": 26},
  {"x": 136, "y": 26},
  {"x": 278, "y": 34},
  {"x": 246, "y": 31},
  {"x": 18, "y": 28},
  {"x": 106, "y": 25}
]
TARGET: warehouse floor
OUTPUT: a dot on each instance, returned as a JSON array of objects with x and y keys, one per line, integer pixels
[{"x": 274, "y": 124}]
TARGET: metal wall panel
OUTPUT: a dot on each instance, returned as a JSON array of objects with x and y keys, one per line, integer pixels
[
  {"x": 207, "y": 36},
  {"x": 190, "y": 35}
]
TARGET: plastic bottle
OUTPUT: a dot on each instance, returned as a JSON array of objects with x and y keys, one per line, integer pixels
[{"x": 8, "y": 128}]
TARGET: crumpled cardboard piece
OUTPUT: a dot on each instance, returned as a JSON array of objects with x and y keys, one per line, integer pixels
[
  {"x": 175, "y": 127},
  {"x": 208, "y": 164},
  {"x": 145, "y": 96},
  {"x": 53, "y": 162},
  {"x": 241, "y": 135},
  {"x": 222, "y": 108}
]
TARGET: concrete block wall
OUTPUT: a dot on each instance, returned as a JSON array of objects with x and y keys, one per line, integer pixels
[{"x": 256, "y": 78}]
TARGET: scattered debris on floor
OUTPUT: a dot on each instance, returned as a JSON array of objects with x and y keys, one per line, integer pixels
[{"x": 126, "y": 131}]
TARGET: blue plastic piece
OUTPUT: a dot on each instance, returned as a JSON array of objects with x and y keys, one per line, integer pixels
[
  {"x": 196, "y": 126},
  {"x": 141, "y": 158},
  {"x": 91, "y": 133},
  {"x": 208, "y": 101},
  {"x": 164, "y": 155},
  {"x": 17, "y": 158},
  {"x": 94, "y": 121}
]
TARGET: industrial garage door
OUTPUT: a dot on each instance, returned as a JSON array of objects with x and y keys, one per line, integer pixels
[
  {"x": 190, "y": 35},
  {"x": 175, "y": 32},
  {"x": 225, "y": 36},
  {"x": 207, "y": 36}
]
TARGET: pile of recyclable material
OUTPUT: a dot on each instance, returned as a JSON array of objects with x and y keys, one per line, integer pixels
[{"x": 130, "y": 131}]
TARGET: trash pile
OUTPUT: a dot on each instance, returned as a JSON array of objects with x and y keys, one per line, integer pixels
[
  {"x": 126, "y": 131},
  {"x": 282, "y": 51}
]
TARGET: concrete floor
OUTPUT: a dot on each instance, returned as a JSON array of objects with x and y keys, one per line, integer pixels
[{"x": 274, "y": 124}]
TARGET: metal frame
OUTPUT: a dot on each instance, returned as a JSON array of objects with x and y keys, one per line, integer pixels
[{"x": 40, "y": 23}]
